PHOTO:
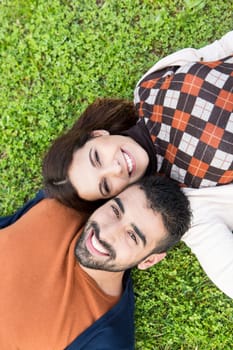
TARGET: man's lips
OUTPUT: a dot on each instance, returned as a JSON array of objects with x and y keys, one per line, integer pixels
[
  {"x": 94, "y": 246},
  {"x": 130, "y": 162}
]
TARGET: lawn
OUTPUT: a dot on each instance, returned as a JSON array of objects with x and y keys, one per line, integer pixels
[{"x": 58, "y": 56}]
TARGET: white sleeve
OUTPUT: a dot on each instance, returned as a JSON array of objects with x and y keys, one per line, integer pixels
[
  {"x": 218, "y": 49},
  {"x": 210, "y": 237},
  {"x": 214, "y": 251}
]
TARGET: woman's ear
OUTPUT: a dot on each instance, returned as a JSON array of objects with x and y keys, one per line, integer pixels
[
  {"x": 100, "y": 132},
  {"x": 151, "y": 260}
]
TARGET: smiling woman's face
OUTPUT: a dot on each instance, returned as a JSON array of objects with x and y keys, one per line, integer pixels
[{"x": 107, "y": 164}]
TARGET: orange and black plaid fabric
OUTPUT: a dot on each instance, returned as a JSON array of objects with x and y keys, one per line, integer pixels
[{"x": 188, "y": 111}]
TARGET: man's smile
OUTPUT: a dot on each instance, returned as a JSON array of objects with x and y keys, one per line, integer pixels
[{"x": 94, "y": 246}]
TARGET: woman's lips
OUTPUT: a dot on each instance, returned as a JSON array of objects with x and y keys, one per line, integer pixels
[
  {"x": 94, "y": 246},
  {"x": 130, "y": 162}
]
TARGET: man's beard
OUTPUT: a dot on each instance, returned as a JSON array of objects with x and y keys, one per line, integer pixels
[{"x": 85, "y": 258}]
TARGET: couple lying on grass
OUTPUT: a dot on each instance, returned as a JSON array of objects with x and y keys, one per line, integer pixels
[{"x": 71, "y": 280}]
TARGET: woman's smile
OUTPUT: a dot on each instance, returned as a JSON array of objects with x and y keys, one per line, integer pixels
[
  {"x": 130, "y": 162},
  {"x": 106, "y": 165}
]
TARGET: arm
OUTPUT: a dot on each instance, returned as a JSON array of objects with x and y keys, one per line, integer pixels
[
  {"x": 10, "y": 219},
  {"x": 218, "y": 49},
  {"x": 214, "y": 250},
  {"x": 210, "y": 237}
]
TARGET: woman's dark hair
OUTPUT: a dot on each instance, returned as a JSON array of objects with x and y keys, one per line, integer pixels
[{"x": 114, "y": 115}]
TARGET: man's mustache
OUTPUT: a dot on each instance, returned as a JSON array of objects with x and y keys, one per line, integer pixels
[{"x": 95, "y": 226}]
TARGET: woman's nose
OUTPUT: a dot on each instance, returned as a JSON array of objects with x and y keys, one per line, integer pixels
[{"x": 113, "y": 169}]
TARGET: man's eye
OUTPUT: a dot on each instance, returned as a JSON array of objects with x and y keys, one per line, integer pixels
[
  {"x": 133, "y": 236},
  {"x": 116, "y": 211}
]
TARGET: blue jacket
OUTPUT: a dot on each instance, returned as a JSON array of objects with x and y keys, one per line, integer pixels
[{"x": 115, "y": 329}]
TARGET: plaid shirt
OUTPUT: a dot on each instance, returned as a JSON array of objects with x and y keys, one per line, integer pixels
[{"x": 188, "y": 111}]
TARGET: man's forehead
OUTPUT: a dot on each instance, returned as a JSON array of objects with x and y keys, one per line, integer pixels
[
  {"x": 129, "y": 197},
  {"x": 131, "y": 190},
  {"x": 133, "y": 194}
]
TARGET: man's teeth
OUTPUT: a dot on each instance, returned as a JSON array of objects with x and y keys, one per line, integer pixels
[
  {"x": 129, "y": 163},
  {"x": 98, "y": 246}
]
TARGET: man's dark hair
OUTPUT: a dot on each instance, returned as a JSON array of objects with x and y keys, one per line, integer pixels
[
  {"x": 167, "y": 198},
  {"x": 114, "y": 115}
]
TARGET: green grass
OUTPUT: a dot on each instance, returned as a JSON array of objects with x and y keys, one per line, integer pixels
[{"x": 58, "y": 56}]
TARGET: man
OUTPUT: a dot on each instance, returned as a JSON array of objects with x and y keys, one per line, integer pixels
[{"x": 63, "y": 286}]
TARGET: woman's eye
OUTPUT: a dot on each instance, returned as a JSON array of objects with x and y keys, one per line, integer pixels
[
  {"x": 106, "y": 187},
  {"x": 105, "y": 190},
  {"x": 132, "y": 236},
  {"x": 97, "y": 158},
  {"x": 116, "y": 211}
]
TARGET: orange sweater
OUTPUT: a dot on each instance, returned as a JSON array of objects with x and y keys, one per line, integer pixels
[{"x": 46, "y": 299}]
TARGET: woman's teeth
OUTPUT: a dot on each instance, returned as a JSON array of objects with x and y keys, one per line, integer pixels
[{"x": 129, "y": 163}]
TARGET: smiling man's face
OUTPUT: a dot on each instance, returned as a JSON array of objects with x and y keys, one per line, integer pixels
[{"x": 121, "y": 233}]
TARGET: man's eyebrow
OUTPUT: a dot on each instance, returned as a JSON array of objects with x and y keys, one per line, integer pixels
[
  {"x": 120, "y": 204},
  {"x": 136, "y": 229},
  {"x": 140, "y": 234}
]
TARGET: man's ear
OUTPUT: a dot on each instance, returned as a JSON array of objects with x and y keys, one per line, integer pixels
[
  {"x": 100, "y": 132},
  {"x": 151, "y": 260}
]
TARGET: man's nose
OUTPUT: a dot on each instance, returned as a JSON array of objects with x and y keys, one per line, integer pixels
[{"x": 111, "y": 230}]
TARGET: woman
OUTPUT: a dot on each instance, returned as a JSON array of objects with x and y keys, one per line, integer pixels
[
  {"x": 66, "y": 174},
  {"x": 185, "y": 132}
]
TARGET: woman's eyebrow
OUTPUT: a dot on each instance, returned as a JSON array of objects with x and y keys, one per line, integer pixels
[
  {"x": 120, "y": 204},
  {"x": 90, "y": 157}
]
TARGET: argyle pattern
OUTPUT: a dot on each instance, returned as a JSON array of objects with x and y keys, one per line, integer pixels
[{"x": 188, "y": 111}]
